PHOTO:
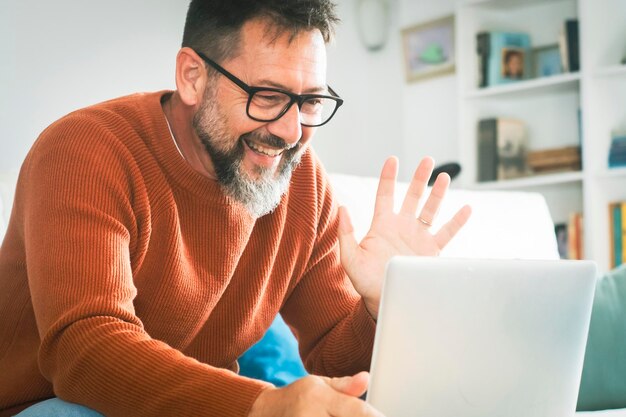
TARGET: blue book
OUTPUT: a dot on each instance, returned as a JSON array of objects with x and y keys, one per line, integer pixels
[
  {"x": 617, "y": 160},
  {"x": 617, "y": 152},
  {"x": 509, "y": 57}
]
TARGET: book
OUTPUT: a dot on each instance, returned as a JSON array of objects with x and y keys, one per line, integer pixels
[
  {"x": 487, "y": 150},
  {"x": 623, "y": 239},
  {"x": 501, "y": 149},
  {"x": 575, "y": 236},
  {"x": 617, "y": 152},
  {"x": 512, "y": 148},
  {"x": 569, "y": 46},
  {"x": 617, "y": 221},
  {"x": 482, "y": 49},
  {"x": 560, "y": 230},
  {"x": 503, "y": 57},
  {"x": 567, "y": 158}
]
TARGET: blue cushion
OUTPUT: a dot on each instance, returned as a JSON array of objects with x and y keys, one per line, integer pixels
[{"x": 274, "y": 358}]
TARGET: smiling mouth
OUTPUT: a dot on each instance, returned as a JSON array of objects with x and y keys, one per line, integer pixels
[{"x": 264, "y": 150}]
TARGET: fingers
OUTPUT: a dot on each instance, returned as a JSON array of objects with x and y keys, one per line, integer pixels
[
  {"x": 417, "y": 186},
  {"x": 344, "y": 406},
  {"x": 354, "y": 386},
  {"x": 437, "y": 194},
  {"x": 451, "y": 228},
  {"x": 345, "y": 401},
  {"x": 316, "y": 396},
  {"x": 386, "y": 187}
]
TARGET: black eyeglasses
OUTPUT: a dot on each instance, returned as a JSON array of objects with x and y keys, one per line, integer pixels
[{"x": 266, "y": 104}]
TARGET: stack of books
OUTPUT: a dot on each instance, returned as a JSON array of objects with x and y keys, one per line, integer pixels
[
  {"x": 617, "y": 214},
  {"x": 617, "y": 153},
  {"x": 554, "y": 160}
]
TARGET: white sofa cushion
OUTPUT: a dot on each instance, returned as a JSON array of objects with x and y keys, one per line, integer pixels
[{"x": 503, "y": 225}]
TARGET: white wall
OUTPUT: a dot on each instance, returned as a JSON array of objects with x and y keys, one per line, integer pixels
[
  {"x": 384, "y": 114},
  {"x": 369, "y": 125},
  {"x": 61, "y": 55},
  {"x": 430, "y": 109}
]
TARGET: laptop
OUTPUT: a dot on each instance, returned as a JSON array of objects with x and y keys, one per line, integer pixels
[{"x": 481, "y": 338}]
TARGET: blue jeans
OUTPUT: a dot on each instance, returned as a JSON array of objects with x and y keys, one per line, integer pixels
[{"x": 55, "y": 407}]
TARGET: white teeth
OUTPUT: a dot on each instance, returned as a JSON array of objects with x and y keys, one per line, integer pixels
[{"x": 265, "y": 151}]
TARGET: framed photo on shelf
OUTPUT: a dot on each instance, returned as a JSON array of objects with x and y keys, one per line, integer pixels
[
  {"x": 429, "y": 49},
  {"x": 512, "y": 67},
  {"x": 546, "y": 61}
]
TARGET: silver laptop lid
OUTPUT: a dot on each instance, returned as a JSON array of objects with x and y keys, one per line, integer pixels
[{"x": 465, "y": 338}]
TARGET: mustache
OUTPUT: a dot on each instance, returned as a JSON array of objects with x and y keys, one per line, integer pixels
[{"x": 271, "y": 141}]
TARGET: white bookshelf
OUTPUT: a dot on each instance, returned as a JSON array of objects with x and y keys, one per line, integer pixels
[{"x": 550, "y": 105}]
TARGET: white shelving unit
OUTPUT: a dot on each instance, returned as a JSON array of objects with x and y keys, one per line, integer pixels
[{"x": 550, "y": 106}]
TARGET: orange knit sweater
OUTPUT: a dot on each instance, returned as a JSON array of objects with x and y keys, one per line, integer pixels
[{"x": 131, "y": 284}]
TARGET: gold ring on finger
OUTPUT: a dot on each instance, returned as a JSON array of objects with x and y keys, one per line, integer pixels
[{"x": 426, "y": 222}]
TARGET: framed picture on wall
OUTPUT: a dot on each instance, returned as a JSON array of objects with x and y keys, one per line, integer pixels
[{"x": 429, "y": 49}]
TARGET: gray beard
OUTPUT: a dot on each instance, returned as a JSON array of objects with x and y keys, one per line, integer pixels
[{"x": 261, "y": 195}]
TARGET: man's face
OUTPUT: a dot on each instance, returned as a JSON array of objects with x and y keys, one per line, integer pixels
[{"x": 253, "y": 160}]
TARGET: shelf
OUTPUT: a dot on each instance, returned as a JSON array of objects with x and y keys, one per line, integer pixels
[
  {"x": 586, "y": 105},
  {"x": 611, "y": 71},
  {"x": 553, "y": 84},
  {"x": 532, "y": 181}
]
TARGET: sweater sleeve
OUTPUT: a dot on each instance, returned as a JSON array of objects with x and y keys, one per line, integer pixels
[
  {"x": 84, "y": 203},
  {"x": 335, "y": 331}
]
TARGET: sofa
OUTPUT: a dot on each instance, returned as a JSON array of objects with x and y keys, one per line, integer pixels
[{"x": 504, "y": 224}]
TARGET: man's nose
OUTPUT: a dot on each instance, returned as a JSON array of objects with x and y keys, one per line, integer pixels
[{"x": 288, "y": 127}]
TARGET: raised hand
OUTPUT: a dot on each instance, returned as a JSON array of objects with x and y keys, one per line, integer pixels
[{"x": 402, "y": 233}]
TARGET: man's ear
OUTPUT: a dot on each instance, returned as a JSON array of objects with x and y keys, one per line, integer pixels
[{"x": 191, "y": 76}]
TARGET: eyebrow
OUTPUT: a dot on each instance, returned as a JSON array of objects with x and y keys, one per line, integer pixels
[{"x": 312, "y": 90}]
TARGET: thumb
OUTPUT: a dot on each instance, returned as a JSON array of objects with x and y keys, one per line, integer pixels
[
  {"x": 354, "y": 386},
  {"x": 347, "y": 242}
]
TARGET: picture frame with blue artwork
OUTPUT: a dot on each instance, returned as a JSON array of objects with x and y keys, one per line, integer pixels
[
  {"x": 429, "y": 49},
  {"x": 547, "y": 61}
]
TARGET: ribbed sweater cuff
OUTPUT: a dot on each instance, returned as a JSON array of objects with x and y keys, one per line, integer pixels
[{"x": 234, "y": 397}]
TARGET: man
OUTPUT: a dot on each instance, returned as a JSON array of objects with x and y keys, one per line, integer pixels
[{"x": 155, "y": 237}]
